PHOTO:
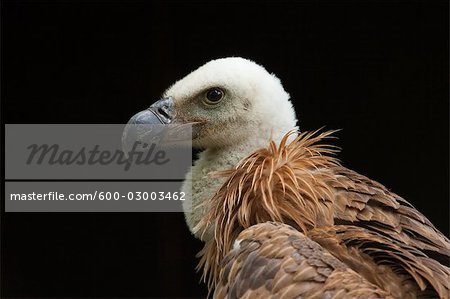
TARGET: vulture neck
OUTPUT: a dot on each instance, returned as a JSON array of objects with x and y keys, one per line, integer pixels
[
  {"x": 232, "y": 154},
  {"x": 200, "y": 184}
]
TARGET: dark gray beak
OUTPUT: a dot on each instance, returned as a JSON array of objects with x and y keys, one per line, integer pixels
[
  {"x": 147, "y": 126},
  {"x": 158, "y": 113}
]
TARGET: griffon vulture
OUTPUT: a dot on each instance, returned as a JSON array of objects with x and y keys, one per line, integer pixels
[{"x": 279, "y": 215}]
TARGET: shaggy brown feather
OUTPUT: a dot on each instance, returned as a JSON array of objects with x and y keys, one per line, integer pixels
[
  {"x": 302, "y": 184},
  {"x": 274, "y": 260}
]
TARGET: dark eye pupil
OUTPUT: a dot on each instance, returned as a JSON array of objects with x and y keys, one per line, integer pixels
[{"x": 214, "y": 95}]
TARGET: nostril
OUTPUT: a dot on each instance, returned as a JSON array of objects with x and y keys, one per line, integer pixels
[{"x": 164, "y": 111}]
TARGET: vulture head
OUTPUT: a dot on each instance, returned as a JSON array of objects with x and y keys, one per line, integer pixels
[
  {"x": 235, "y": 107},
  {"x": 228, "y": 101}
]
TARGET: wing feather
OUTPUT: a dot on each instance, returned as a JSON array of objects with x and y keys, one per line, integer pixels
[{"x": 275, "y": 260}]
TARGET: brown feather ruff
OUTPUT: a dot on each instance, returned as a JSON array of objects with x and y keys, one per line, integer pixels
[
  {"x": 302, "y": 184},
  {"x": 280, "y": 184}
]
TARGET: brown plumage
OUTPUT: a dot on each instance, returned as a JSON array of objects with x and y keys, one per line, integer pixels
[
  {"x": 390, "y": 247},
  {"x": 274, "y": 259}
]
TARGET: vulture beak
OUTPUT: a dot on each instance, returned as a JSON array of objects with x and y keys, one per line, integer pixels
[
  {"x": 159, "y": 113},
  {"x": 148, "y": 126}
]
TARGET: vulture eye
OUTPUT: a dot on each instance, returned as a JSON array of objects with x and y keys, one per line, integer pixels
[{"x": 214, "y": 96}]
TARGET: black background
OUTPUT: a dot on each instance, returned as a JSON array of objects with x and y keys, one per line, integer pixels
[{"x": 378, "y": 70}]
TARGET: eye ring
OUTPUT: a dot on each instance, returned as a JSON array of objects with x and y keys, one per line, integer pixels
[{"x": 213, "y": 96}]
